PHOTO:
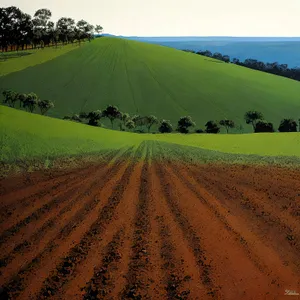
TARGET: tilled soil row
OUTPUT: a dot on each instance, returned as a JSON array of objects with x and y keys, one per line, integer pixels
[
  {"x": 18, "y": 282},
  {"x": 101, "y": 284},
  {"x": 191, "y": 236},
  {"x": 219, "y": 215},
  {"x": 174, "y": 275},
  {"x": 18, "y": 187},
  {"x": 78, "y": 253},
  {"x": 264, "y": 209},
  {"x": 52, "y": 190},
  {"x": 39, "y": 213},
  {"x": 137, "y": 285},
  {"x": 75, "y": 221},
  {"x": 276, "y": 228}
]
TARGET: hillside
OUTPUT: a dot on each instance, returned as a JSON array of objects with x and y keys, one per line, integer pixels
[
  {"x": 27, "y": 137},
  {"x": 150, "y": 79}
]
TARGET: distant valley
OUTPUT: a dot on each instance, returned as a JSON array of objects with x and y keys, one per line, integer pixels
[{"x": 271, "y": 49}]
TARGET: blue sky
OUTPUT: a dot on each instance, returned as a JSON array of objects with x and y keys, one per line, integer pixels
[{"x": 177, "y": 17}]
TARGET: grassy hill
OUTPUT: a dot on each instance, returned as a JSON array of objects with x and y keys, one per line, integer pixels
[
  {"x": 26, "y": 137},
  {"x": 150, "y": 79},
  {"x": 15, "y": 61}
]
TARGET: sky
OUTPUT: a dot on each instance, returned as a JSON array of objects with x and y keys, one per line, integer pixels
[{"x": 178, "y": 17}]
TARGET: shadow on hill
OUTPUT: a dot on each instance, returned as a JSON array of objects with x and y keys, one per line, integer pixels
[{"x": 6, "y": 56}]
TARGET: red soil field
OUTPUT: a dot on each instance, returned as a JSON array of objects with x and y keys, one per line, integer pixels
[{"x": 132, "y": 229}]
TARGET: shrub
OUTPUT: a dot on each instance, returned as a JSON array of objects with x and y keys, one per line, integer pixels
[
  {"x": 252, "y": 117},
  {"x": 165, "y": 127},
  {"x": 212, "y": 127},
  {"x": 199, "y": 131},
  {"x": 184, "y": 124},
  {"x": 288, "y": 125},
  {"x": 264, "y": 126},
  {"x": 227, "y": 124}
]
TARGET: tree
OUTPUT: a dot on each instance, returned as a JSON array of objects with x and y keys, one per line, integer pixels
[
  {"x": 30, "y": 102},
  {"x": 40, "y": 25},
  {"x": 10, "y": 98},
  {"x": 66, "y": 28},
  {"x": 74, "y": 117},
  {"x": 124, "y": 117},
  {"x": 218, "y": 56},
  {"x": 226, "y": 58},
  {"x": 83, "y": 115},
  {"x": 288, "y": 125},
  {"x": 251, "y": 117},
  {"x": 129, "y": 124},
  {"x": 263, "y": 126},
  {"x": 112, "y": 112},
  {"x": 185, "y": 123},
  {"x": 10, "y": 20},
  {"x": 98, "y": 29},
  {"x": 21, "y": 98},
  {"x": 227, "y": 124},
  {"x": 138, "y": 120},
  {"x": 150, "y": 121},
  {"x": 205, "y": 53},
  {"x": 84, "y": 30},
  {"x": 45, "y": 105},
  {"x": 212, "y": 127},
  {"x": 94, "y": 117},
  {"x": 165, "y": 126}
]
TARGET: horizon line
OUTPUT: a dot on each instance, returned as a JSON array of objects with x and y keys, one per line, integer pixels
[{"x": 203, "y": 36}]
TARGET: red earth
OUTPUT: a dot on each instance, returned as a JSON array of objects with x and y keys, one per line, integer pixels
[{"x": 139, "y": 230}]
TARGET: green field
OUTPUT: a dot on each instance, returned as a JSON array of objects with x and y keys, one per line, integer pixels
[
  {"x": 150, "y": 79},
  {"x": 16, "y": 61},
  {"x": 26, "y": 137}
]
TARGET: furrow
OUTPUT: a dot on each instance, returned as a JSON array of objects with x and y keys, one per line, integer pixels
[
  {"x": 190, "y": 234},
  {"x": 43, "y": 233},
  {"x": 137, "y": 284},
  {"x": 13, "y": 215},
  {"x": 102, "y": 282},
  {"x": 79, "y": 252},
  {"x": 236, "y": 234},
  {"x": 19, "y": 282}
]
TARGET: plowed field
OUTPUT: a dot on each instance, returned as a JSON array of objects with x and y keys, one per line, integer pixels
[{"x": 139, "y": 229}]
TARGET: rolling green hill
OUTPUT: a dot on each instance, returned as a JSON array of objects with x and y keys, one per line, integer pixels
[
  {"x": 26, "y": 136},
  {"x": 150, "y": 79}
]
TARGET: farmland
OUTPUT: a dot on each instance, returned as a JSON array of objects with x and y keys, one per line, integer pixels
[
  {"x": 151, "y": 79},
  {"x": 37, "y": 140},
  {"x": 131, "y": 226},
  {"x": 88, "y": 212}
]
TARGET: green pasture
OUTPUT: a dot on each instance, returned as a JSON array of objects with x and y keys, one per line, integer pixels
[
  {"x": 25, "y": 136},
  {"x": 141, "y": 78}
]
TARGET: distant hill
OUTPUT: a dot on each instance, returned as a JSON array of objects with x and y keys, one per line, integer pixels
[
  {"x": 284, "y": 50},
  {"x": 142, "y": 78}
]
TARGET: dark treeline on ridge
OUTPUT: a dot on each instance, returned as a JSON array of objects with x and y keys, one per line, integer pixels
[
  {"x": 142, "y": 124},
  {"x": 28, "y": 101},
  {"x": 273, "y": 68},
  {"x": 138, "y": 123},
  {"x": 19, "y": 30}
]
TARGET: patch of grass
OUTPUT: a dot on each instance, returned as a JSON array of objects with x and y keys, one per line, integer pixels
[
  {"x": 11, "y": 62},
  {"x": 265, "y": 144},
  {"x": 26, "y": 137},
  {"x": 166, "y": 151},
  {"x": 150, "y": 79}
]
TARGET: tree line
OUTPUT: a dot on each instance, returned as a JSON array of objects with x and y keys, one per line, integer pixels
[
  {"x": 28, "y": 101},
  {"x": 18, "y": 30},
  {"x": 273, "y": 68},
  {"x": 137, "y": 122},
  {"x": 184, "y": 124}
]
